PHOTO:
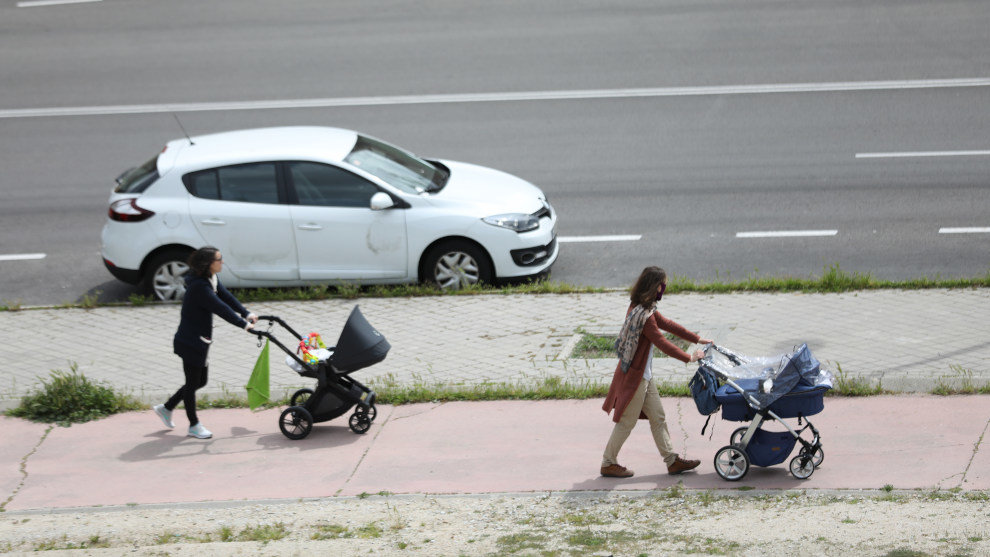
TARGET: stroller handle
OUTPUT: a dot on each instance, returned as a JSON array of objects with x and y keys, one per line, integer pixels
[{"x": 275, "y": 319}]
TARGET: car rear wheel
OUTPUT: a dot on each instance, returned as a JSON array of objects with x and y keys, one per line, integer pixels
[
  {"x": 456, "y": 264},
  {"x": 165, "y": 279}
]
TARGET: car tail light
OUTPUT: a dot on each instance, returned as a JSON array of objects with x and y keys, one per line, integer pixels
[{"x": 127, "y": 210}]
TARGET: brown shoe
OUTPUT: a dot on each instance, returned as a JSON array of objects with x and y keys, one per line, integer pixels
[
  {"x": 617, "y": 471},
  {"x": 680, "y": 465}
]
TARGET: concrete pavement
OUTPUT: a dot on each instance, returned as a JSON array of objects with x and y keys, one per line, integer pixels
[
  {"x": 908, "y": 442},
  {"x": 906, "y": 340},
  {"x": 909, "y": 340}
]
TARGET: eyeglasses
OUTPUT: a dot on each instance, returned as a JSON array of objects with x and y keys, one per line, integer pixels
[{"x": 219, "y": 259}]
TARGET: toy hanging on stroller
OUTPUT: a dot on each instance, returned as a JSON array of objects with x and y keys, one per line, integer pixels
[
  {"x": 359, "y": 346},
  {"x": 759, "y": 389}
]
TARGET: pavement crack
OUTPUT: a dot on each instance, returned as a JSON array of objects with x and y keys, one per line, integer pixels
[
  {"x": 366, "y": 451},
  {"x": 976, "y": 450},
  {"x": 23, "y": 468}
]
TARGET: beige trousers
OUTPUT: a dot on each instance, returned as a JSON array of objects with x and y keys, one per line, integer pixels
[{"x": 647, "y": 400}]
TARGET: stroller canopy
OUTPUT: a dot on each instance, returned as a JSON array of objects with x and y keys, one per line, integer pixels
[
  {"x": 360, "y": 345},
  {"x": 786, "y": 372}
]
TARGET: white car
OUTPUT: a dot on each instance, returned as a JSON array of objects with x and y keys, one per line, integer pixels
[{"x": 296, "y": 206}]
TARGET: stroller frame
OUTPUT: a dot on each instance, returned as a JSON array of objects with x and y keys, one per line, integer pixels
[
  {"x": 335, "y": 393},
  {"x": 732, "y": 462}
]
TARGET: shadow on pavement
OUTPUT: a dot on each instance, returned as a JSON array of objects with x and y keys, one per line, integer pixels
[{"x": 170, "y": 444}]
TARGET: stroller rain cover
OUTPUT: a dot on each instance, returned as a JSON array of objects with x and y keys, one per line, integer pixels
[{"x": 784, "y": 372}]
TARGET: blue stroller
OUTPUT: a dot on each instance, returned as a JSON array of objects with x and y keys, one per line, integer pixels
[{"x": 791, "y": 385}]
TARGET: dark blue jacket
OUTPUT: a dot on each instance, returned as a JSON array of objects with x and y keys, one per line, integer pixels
[{"x": 198, "y": 306}]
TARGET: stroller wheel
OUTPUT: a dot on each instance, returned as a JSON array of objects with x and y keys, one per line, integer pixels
[
  {"x": 817, "y": 457},
  {"x": 300, "y": 397},
  {"x": 737, "y": 436},
  {"x": 731, "y": 463},
  {"x": 295, "y": 422},
  {"x": 360, "y": 422},
  {"x": 370, "y": 411},
  {"x": 802, "y": 466}
]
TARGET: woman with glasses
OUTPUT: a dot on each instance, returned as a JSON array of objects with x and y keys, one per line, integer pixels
[{"x": 204, "y": 296}]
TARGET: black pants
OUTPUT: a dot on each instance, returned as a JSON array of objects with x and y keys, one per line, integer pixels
[{"x": 195, "y": 379}]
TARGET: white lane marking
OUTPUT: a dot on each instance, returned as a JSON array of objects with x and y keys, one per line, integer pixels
[
  {"x": 614, "y": 238},
  {"x": 35, "y": 3},
  {"x": 494, "y": 97},
  {"x": 921, "y": 154},
  {"x": 964, "y": 230},
  {"x": 786, "y": 233},
  {"x": 22, "y": 256}
]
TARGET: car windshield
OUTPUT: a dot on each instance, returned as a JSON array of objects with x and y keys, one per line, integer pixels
[
  {"x": 136, "y": 180},
  {"x": 396, "y": 167}
]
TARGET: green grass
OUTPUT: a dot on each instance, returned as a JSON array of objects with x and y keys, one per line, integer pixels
[
  {"x": 832, "y": 280},
  {"x": 69, "y": 397},
  {"x": 263, "y": 533}
]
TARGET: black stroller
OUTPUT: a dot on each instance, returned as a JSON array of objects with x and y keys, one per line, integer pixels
[
  {"x": 359, "y": 346},
  {"x": 791, "y": 385}
]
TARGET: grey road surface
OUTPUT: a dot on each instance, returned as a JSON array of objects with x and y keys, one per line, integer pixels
[{"x": 685, "y": 172}]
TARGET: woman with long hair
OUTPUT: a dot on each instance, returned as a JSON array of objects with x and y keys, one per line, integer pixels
[
  {"x": 205, "y": 296},
  {"x": 633, "y": 393}
]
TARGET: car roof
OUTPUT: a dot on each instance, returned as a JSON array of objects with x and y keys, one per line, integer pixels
[{"x": 259, "y": 144}]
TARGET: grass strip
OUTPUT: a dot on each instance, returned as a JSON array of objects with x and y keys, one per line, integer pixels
[{"x": 832, "y": 280}]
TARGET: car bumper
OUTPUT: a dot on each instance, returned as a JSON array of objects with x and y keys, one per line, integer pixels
[{"x": 130, "y": 276}]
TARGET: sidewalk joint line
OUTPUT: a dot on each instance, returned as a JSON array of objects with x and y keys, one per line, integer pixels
[
  {"x": 976, "y": 450},
  {"x": 365, "y": 453},
  {"x": 23, "y": 468}
]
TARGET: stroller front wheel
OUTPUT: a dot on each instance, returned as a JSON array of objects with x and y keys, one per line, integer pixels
[
  {"x": 295, "y": 422},
  {"x": 731, "y": 463},
  {"x": 802, "y": 466},
  {"x": 360, "y": 422},
  {"x": 370, "y": 411}
]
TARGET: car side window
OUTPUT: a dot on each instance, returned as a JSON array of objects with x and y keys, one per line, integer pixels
[
  {"x": 203, "y": 184},
  {"x": 329, "y": 186},
  {"x": 251, "y": 183}
]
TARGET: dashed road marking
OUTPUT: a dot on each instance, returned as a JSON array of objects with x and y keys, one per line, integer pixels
[
  {"x": 36, "y": 3},
  {"x": 965, "y": 230},
  {"x": 786, "y": 233},
  {"x": 21, "y": 256},
  {"x": 909, "y": 154},
  {"x": 614, "y": 238}
]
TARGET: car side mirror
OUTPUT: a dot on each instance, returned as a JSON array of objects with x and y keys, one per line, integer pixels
[{"x": 381, "y": 201}]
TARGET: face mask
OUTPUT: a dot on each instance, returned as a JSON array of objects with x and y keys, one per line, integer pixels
[{"x": 663, "y": 287}]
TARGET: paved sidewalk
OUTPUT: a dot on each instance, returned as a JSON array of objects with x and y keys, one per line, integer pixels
[
  {"x": 907, "y": 441},
  {"x": 908, "y": 340}
]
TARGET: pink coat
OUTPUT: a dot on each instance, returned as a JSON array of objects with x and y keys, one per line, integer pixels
[{"x": 624, "y": 385}]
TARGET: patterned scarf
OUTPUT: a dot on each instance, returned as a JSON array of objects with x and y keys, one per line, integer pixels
[{"x": 625, "y": 345}]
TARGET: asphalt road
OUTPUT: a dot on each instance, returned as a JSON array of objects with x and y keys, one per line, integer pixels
[{"x": 685, "y": 169}]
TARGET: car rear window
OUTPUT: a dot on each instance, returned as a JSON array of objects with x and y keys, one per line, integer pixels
[{"x": 136, "y": 180}]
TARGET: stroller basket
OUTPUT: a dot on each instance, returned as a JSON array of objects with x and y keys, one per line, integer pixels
[{"x": 802, "y": 401}]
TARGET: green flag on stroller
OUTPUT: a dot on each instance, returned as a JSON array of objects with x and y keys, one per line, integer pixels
[{"x": 258, "y": 385}]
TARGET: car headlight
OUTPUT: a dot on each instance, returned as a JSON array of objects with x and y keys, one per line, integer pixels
[{"x": 514, "y": 221}]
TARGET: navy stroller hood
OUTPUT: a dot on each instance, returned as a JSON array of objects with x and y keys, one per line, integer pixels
[
  {"x": 785, "y": 372},
  {"x": 360, "y": 345}
]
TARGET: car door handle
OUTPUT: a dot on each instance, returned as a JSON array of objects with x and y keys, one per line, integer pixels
[
  {"x": 213, "y": 221},
  {"x": 310, "y": 226}
]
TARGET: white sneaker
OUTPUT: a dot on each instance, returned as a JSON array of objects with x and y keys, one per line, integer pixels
[
  {"x": 200, "y": 432},
  {"x": 165, "y": 414}
]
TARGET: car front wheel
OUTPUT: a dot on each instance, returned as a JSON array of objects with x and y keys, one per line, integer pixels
[
  {"x": 456, "y": 264},
  {"x": 166, "y": 279}
]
